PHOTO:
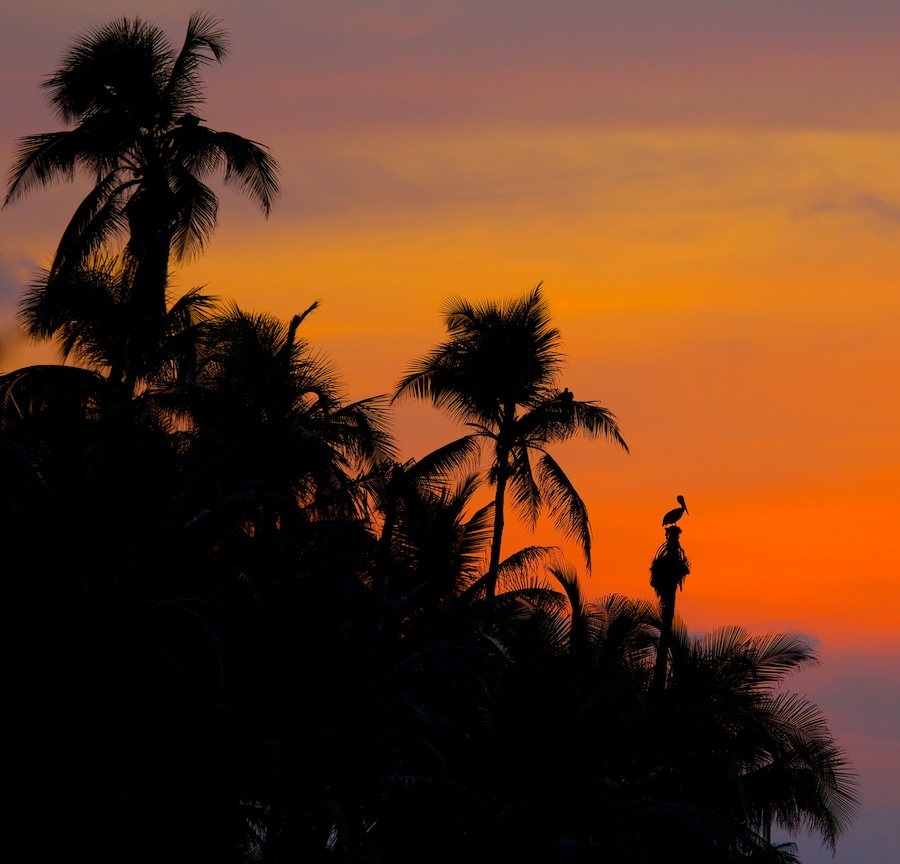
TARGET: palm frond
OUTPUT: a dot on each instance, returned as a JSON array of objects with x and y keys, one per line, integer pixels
[
  {"x": 528, "y": 567},
  {"x": 567, "y": 576},
  {"x": 184, "y": 329},
  {"x": 526, "y": 492},
  {"x": 777, "y": 654},
  {"x": 566, "y": 507},
  {"x": 249, "y": 167},
  {"x": 198, "y": 210},
  {"x": 806, "y": 779},
  {"x": 41, "y": 160},
  {"x": 456, "y": 456},
  {"x": 84, "y": 306},
  {"x": 579, "y": 631},
  {"x": 624, "y": 628},
  {"x": 367, "y": 431},
  {"x": 596, "y": 421},
  {"x": 473, "y": 542},
  {"x": 204, "y": 43},
  {"x": 98, "y": 218}
]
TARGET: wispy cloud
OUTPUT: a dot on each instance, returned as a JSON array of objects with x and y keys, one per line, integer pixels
[{"x": 861, "y": 205}]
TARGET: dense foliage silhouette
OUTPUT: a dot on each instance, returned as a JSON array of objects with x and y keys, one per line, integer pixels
[{"x": 242, "y": 629}]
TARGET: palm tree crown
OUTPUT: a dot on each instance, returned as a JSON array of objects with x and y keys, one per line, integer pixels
[
  {"x": 497, "y": 373},
  {"x": 272, "y": 410},
  {"x": 132, "y": 98}
]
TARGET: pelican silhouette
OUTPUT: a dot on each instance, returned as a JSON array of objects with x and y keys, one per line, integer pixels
[{"x": 674, "y": 515}]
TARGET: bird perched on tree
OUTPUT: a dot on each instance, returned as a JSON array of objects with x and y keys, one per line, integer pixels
[
  {"x": 674, "y": 515},
  {"x": 189, "y": 121}
]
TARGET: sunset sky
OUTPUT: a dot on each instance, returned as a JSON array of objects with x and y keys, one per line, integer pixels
[{"x": 709, "y": 192}]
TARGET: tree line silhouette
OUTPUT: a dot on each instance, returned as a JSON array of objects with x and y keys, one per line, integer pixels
[{"x": 243, "y": 628}]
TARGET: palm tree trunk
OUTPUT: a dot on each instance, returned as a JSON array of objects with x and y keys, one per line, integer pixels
[
  {"x": 150, "y": 220},
  {"x": 497, "y": 539},
  {"x": 667, "y": 616},
  {"x": 392, "y": 493}
]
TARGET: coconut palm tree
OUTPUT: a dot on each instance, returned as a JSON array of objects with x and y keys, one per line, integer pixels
[
  {"x": 274, "y": 437},
  {"x": 746, "y": 754},
  {"x": 131, "y": 97},
  {"x": 497, "y": 372}
]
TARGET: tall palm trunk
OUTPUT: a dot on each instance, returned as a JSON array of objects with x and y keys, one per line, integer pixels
[
  {"x": 503, "y": 473},
  {"x": 667, "y": 617},
  {"x": 150, "y": 218},
  {"x": 497, "y": 536}
]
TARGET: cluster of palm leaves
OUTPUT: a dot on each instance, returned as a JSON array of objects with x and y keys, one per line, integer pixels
[{"x": 244, "y": 629}]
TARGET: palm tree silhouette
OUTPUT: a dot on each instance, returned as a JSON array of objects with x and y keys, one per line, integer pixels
[
  {"x": 754, "y": 755},
  {"x": 131, "y": 97},
  {"x": 94, "y": 314},
  {"x": 272, "y": 430},
  {"x": 497, "y": 373}
]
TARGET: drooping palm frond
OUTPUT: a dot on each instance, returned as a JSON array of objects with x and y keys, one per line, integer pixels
[
  {"x": 565, "y": 574},
  {"x": 198, "y": 210},
  {"x": 175, "y": 364},
  {"x": 249, "y": 167},
  {"x": 594, "y": 420},
  {"x": 771, "y": 749},
  {"x": 440, "y": 464},
  {"x": 528, "y": 569},
  {"x": 777, "y": 654},
  {"x": 565, "y": 505},
  {"x": 98, "y": 220},
  {"x": 754, "y": 659},
  {"x": 526, "y": 492},
  {"x": 802, "y": 779},
  {"x": 87, "y": 310},
  {"x": 473, "y": 543},
  {"x": 41, "y": 160}
]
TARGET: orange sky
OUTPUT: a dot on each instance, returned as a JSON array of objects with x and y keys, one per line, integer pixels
[
  {"x": 732, "y": 297},
  {"x": 710, "y": 194}
]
